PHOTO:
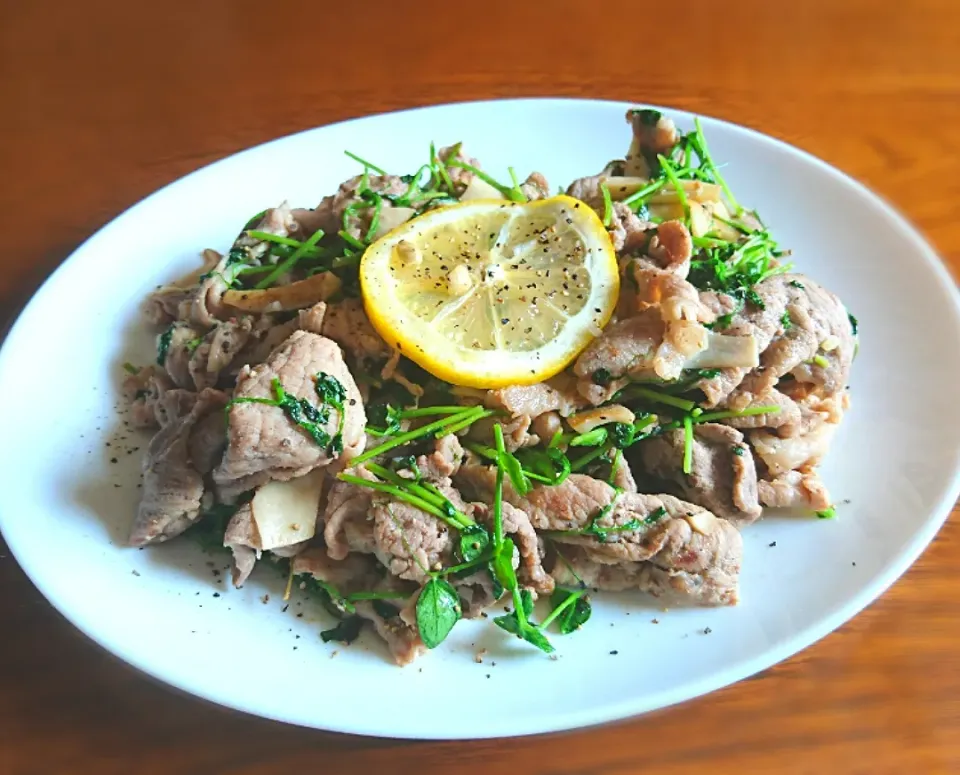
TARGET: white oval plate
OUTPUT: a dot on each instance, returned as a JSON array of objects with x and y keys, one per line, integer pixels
[{"x": 65, "y": 507}]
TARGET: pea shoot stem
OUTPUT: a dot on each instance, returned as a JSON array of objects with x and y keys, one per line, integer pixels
[
  {"x": 468, "y": 417},
  {"x": 285, "y": 266}
]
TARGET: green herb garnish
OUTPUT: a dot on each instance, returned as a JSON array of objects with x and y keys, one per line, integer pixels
[
  {"x": 438, "y": 610},
  {"x": 607, "y": 204},
  {"x": 303, "y": 413},
  {"x": 163, "y": 345},
  {"x": 571, "y": 610}
]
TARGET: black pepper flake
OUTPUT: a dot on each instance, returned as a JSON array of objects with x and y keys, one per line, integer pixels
[
  {"x": 614, "y": 653},
  {"x": 772, "y": 544},
  {"x": 113, "y": 460},
  {"x": 216, "y": 594},
  {"x": 706, "y": 630}
]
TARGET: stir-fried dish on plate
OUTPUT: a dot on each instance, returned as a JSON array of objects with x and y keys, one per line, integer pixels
[{"x": 438, "y": 395}]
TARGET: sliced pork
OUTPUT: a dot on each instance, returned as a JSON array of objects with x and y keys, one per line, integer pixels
[
  {"x": 172, "y": 485},
  {"x": 722, "y": 478},
  {"x": 264, "y": 441}
]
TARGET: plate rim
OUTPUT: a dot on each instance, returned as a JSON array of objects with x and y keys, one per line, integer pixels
[{"x": 614, "y": 711}]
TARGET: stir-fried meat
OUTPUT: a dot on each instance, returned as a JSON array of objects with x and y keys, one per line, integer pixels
[
  {"x": 555, "y": 395},
  {"x": 723, "y": 477},
  {"x": 774, "y": 356},
  {"x": 181, "y": 339},
  {"x": 629, "y": 233},
  {"x": 623, "y": 347},
  {"x": 670, "y": 533},
  {"x": 264, "y": 441},
  {"x": 516, "y": 524},
  {"x": 348, "y": 526},
  {"x": 172, "y": 485},
  {"x": 588, "y": 190},
  {"x": 535, "y": 187},
  {"x": 399, "y": 632},
  {"x": 652, "y": 133},
  {"x": 358, "y": 573},
  {"x": 802, "y": 330},
  {"x": 786, "y": 418},
  {"x": 410, "y": 541},
  {"x": 347, "y": 324},
  {"x": 803, "y": 451},
  {"x": 144, "y": 389},
  {"x": 676, "y": 575},
  {"x": 329, "y": 214},
  {"x": 444, "y": 461},
  {"x": 459, "y": 176},
  {"x": 312, "y": 319},
  {"x": 243, "y": 540},
  {"x": 516, "y": 431},
  {"x": 794, "y": 490}
]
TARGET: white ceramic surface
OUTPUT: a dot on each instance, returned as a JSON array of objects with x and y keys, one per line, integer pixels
[{"x": 65, "y": 508}]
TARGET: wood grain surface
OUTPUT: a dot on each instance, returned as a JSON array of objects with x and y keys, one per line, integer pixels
[{"x": 103, "y": 102}]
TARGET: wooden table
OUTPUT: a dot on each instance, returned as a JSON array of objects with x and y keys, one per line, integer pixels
[{"x": 105, "y": 101}]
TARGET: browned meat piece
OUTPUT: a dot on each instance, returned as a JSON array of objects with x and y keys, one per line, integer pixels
[
  {"x": 347, "y": 324},
  {"x": 348, "y": 526},
  {"x": 723, "y": 477},
  {"x": 358, "y": 573},
  {"x": 444, "y": 461},
  {"x": 163, "y": 305},
  {"x": 787, "y": 419},
  {"x": 266, "y": 336},
  {"x": 172, "y": 485},
  {"x": 623, "y": 347},
  {"x": 556, "y": 395},
  {"x": 681, "y": 539},
  {"x": 400, "y": 632},
  {"x": 800, "y": 452},
  {"x": 516, "y": 431},
  {"x": 408, "y": 540},
  {"x": 652, "y": 134},
  {"x": 795, "y": 490},
  {"x": 328, "y": 215},
  {"x": 630, "y": 234},
  {"x": 208, "y": 440},
  {"x": 264, "y": 442},
  {"x": 203, "y": 305},
  {"x": 676, "y": 576},
  {"x": 516, "y": 524},
  {"x": 243, "y": 541},
  {"x": 217, "y": 350},
  {"x": 144, "y": 389},
  {"x": 312, "y": 319},
  {"x": 588, "y": 190},
  {"x": 535, "y": 187},
  {"x": 459, "y": 176},
  {"x": 182, "y": 339},
  {"x": 799, "y": 321}
]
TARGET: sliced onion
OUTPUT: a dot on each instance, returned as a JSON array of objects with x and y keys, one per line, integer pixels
[
  {"x": 391, "y": 218},
  {"x": 725, "y": 352},
  {"x": 304, "y": 293},
  {"x": 480, "y": 189},
  {"x": 584, "y": 422},
  {"x": 285, "y": 513}
]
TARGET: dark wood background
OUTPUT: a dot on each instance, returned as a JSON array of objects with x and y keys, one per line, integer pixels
[{"x": 104, "y": 101}]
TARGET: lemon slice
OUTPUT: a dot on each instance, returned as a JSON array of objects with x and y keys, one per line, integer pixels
[{"x": 492, "y": 293}]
